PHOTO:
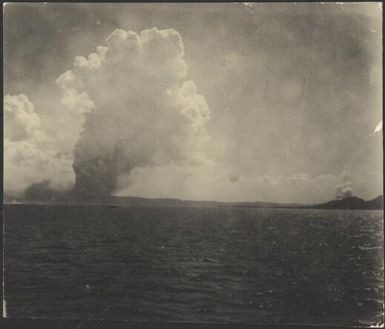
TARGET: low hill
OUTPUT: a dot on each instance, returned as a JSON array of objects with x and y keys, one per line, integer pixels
[
  {"x": 352, "y": 203},
  {"x": 135, "y": 201},
  {"x": 376, "y": 203}
]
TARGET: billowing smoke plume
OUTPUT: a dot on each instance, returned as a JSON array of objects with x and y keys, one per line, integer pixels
[
  {"x": 138, "y": 109},
  {"x": 345, "y": 188}
]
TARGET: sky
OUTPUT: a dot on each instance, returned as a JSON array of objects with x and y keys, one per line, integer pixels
[{"x": 219, "y": 101}]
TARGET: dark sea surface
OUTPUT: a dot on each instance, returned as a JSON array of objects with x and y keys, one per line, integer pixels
[{"x": 236, "y": 265}]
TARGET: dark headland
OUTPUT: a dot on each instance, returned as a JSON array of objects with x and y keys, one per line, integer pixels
[{"x": 353, "y": 203}]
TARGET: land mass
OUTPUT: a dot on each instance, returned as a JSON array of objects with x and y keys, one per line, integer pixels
[{"x": 352, "y": 202}]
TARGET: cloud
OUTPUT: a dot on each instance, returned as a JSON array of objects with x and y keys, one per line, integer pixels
[
  {"x": 21, "y": 120},
  {"x": 138, "y": 108},
  {"x": 28, "y": 150},
  {"x": 146, "y": 126}
]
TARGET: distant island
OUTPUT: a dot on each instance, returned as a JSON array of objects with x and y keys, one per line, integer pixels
[{"x": 353, "y": 203}]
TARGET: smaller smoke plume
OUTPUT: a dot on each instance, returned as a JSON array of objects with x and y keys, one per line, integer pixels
[
  {"x": 345, "y": 188},
  {"x": 43, "y": 191}
]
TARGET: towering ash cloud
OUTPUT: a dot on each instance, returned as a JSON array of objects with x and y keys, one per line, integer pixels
[{"x": 138, "y": 109}]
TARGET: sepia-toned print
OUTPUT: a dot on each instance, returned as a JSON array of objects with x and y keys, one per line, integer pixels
[{"x": 194, "y": 162}]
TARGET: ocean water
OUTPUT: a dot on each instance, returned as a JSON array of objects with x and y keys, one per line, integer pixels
[{"x": 222, "y": 265}]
